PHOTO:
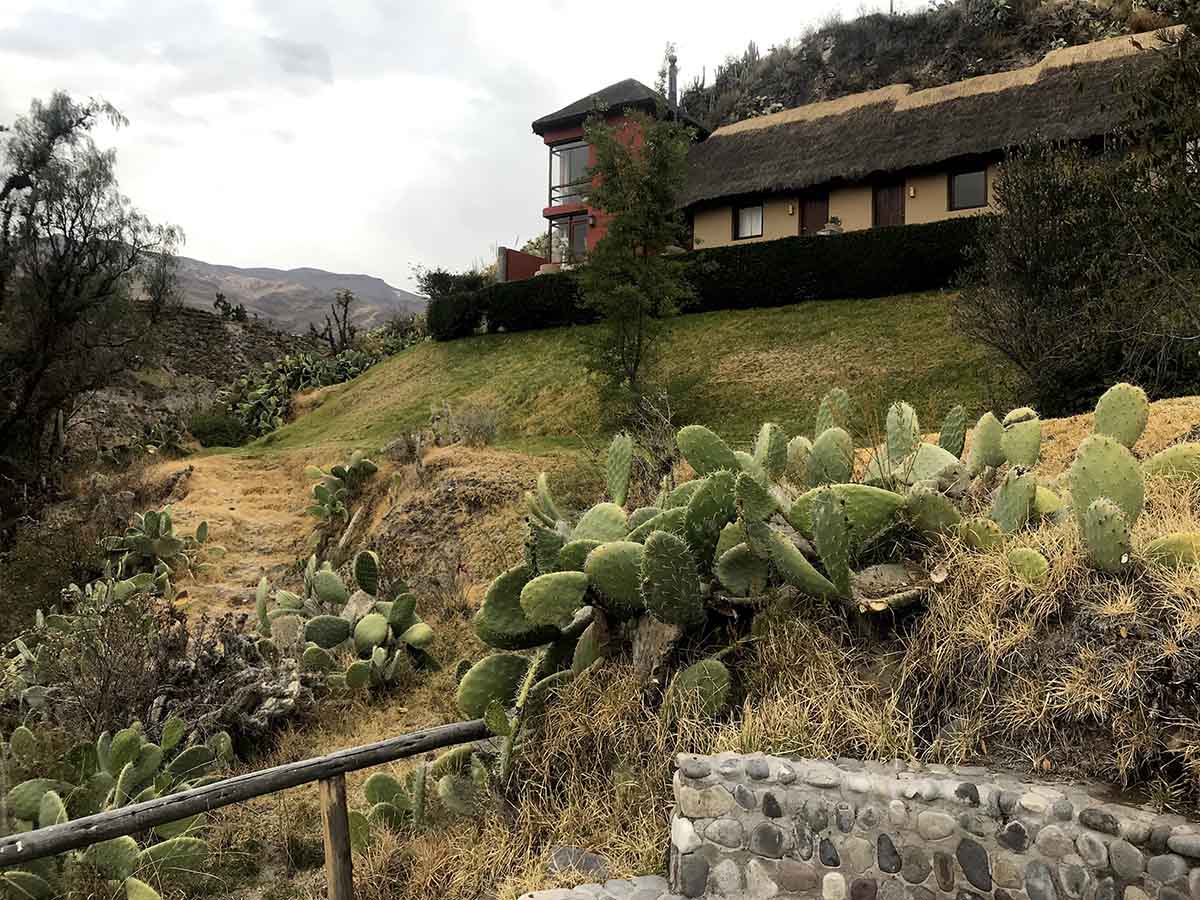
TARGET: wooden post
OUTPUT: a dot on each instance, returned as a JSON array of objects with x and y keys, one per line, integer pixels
[{"x": 339, "y": 868}]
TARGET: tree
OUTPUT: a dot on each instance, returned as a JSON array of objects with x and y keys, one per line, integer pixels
[
  {"x": 629, "y": 278},
  {"x": 160, "y": 272},
  {"x": 339, "y": 332},
  {"x": 538, "y": 246},
  {"x": 71, "y": 251}
]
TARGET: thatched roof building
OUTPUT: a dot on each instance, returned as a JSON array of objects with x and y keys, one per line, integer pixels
[{"x": 1071, "y": 94}]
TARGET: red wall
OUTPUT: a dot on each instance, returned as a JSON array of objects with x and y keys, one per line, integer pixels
[
  {"x": 519, "y": 266},
  {"x": 630, "y": 133}
]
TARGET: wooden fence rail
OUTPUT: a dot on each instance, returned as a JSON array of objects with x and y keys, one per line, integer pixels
[{"x": 329, "y": 770}]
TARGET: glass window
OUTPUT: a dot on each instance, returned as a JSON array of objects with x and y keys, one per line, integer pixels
[
  {"x": 748, "y": 221},
  {"x": 968, "y": 190},
  {"x": 568, "y": 239},
  {"x": 568, "y": 173}
]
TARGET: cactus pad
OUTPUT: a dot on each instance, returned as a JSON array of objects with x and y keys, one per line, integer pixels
[
  {"x": 771, "y": 450},
  {"x": 554, "y": 598},
  {"x": 795, "y": 568},
  {"x": 573, "y": 555},
  {"x": 1178, "y": 550},
  {"x": 358, "y": 674},
  {"x": 542, "y": 546},
  {"x": 670, "y": 582},
  {"x": 178, "y": 857},
  {"x": 869, "y": 509},
  {"x": 593, "y": 646},
  {"x": 1105, "y": 530},
  {"x": 702, "y": 689},
  {"x": 754, "y": 502},
  {"x": 980, "y": 533},
  {"x": 1105, "y": 468},
  {"x": 1182, "y": 460},
  {"x": 682, "y": 495},
  {"x": 329, "y": 588},
  {"x": 315, "y": 659},
  {"x": 987, "y": 447},
  {"x": 603, "y": 522},
  {"x": 1013, "y": 501},
  {"x": 494, "y": 678},
  {"x": 1122, "y": 413},
  {"x": 831, "y": 534},
  {"x": 749, "y": 465},
  {"x": 366, "y": 572},
  {"x": 903, "y": 431},
  {"x": 1027, "y": 565},
  {"x": 930, "y": 511},
  {"x": 672, "y": 520},
  {"x": 641, "y": 516},
  {"x": 326, "y": 631},
  {"x": 953, "y": 435},
  {"x": 1021, "y": 439},
  {"x": 798, "y": 450},
  {"x": 617, "y": 468},
  {"x": 370, "y": 632},
  {"x": 615, "y": 571},
  {"x": 741, "y": 572},
  {"x": 710, "y": 509},
  {"x": 831, "y": 460},
  {"x": 834, "y": 411},
  {"x": 704, "y": 450}
]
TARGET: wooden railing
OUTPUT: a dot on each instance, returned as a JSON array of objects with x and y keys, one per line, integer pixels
[{"x": 329, "y": 770}]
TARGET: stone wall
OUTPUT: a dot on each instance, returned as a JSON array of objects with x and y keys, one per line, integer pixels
[{"x": 757, "y": 826}]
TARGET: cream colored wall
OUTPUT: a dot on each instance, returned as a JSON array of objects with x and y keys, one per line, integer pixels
[
  {"x": 927, "y": 198},
  {"x": 714, "y": 227}
]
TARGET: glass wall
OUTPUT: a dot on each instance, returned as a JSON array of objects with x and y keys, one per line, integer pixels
[
  {"x": 568, "y": 173},
  {"x": 568, "y": 239}
]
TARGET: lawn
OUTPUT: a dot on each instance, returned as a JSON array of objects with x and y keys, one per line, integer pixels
[{"x": 730, "y": 370}]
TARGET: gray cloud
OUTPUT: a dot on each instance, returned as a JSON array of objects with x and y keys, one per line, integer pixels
[{"x": 307, "y": 60}]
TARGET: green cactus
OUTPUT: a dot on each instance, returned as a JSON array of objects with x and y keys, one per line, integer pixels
[
  {"x": 928, "y": 462},
  {"x": 931, "y": 512},
  {"x": 116, "y": 858},
  {"x": 987, "y": 445},
  {"x": 754, "y": 502},
  {"x": 711, "y": 508},
  {"x": 953, "y": 435},
  {"x": 366, "y": 572},
  {"x": 641, "y": 516},
  {"x": 1028, "y": 566},
  {"x": 384, "y": 788},
  {"x": 327, "y": 632},
  {"x": 771, "y": 450},
  {"x": 618, "y": 466},
  {"x": 903, "y": 431},
  {"x": 1177, "y": 551},
  {"x": 741, "y": 572},
  {"x": 1180, "y": 461},
  {"x": 260, "y": 605},
  {"x": 603, "y": 522},
  {"x": 1021, "y": 439},
  {"x": 458, "y": 794},
  {"x": 1013, "y": 501},
  {"x": 749, "y": 465},
  {"x": 573, "y": 555},
  {"x": 315, "y": 659},
  {"x": 329, "y": 588},
  {"x": 704, "y": 688},
  {"x": 670, "y": 582},
  {"x": 799, "y": 449},
  {"x": 831, "y": 460},
  {"x": 181, "y": 856},
  {"x": 704, "y": 450},
  {"x": 980, "y": 533},
  {"x": 51, "y": 810},
  {"x": 593, "y": 645},
  {"x": 869, "y": 509},
  {"x": 795, "y": 569},
  {"x": 831, "y": 534},
  {"x": 731, "y": 535},
  {"x": 672, "y": 520},
  {"x": 370, "y": 631},
  {"x": 542, "y": 547},
  {"x": 1105, "y": 530},
  {"x": 554, "y": 598},
  {"x": 682, "y": 495},
  {"x": 834, "y": 412},
  {"x": 494, "y": 678},
  {"x": 1105, "y": 468},
  {"x": 1122, "y": 413},
  {"x": 358, "y": 674},
  {"x": 615, "y": 572}
]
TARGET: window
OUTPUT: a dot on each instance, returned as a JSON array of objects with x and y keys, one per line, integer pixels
[
  {"x": 747, "y": 221},
  {"x": 568, "y": 173},
  {"x": 968, "y": 190},
  {"x": 568, "y": 239}
]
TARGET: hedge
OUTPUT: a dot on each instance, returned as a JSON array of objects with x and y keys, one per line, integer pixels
[{"x": 874, "y": 263}]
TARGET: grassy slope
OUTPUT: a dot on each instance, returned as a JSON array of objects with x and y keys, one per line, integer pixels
[{"x": 729, "y": 370}]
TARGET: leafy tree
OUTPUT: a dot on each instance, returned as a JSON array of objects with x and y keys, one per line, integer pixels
[
  {"x": 538, "y": 246},
  {"x": 630, "y": 279},
  {"x": 72, "y": 249},
  {"x": 160, "y": 272}
]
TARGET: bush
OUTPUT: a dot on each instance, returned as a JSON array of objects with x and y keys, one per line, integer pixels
[
  {"x": 217, "y": 426},
  {"x": 872, "y": 263},
  {"x": 546, "y": 301},
  {"x": 453, "y": 316}
]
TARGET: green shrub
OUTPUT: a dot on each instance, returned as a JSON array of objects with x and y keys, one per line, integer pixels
[
  {"x": 858, "y": 264},
  {"x": 546, "y": 301},
  {"x": 217, "y": 426},
  {"x": 455, "y": 315}
]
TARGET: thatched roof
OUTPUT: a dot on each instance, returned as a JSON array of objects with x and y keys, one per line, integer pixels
[
  {"x": 623, "y": 94},
  {"x": 1071, "y": 95}
]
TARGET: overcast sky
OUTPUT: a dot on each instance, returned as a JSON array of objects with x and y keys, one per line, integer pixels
[{"x": 356, "y": 135}]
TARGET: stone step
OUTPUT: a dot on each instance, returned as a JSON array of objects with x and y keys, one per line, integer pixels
[{"x": 644, "y": 887}]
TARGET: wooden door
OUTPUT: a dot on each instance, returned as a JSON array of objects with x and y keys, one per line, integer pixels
[
  {"x": 889, "y": 204},
  {"x": 814, "y": 213}
]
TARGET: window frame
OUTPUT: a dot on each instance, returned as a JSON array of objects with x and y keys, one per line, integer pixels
[
  {"x": 570, "y": 192},
  {"x": 762, "y": 220},
  {"x": 958, "y": 173}
]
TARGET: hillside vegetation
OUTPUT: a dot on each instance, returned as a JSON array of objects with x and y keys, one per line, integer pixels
[
  {"x": 730, "y": 370},
  {"x": 949, "y": 41}
]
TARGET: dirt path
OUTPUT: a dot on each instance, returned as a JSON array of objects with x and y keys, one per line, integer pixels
[{"x": 255, "y": 510}]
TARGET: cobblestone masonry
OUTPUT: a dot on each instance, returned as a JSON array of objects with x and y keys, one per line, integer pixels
[{"x": 757, "y": 827}]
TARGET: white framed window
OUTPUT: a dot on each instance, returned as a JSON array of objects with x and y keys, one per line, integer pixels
[{"x": 747, "y": 221}]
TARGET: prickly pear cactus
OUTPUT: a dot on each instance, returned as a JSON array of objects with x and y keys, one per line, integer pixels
[
  {"x": 705, "y": 451},
  {"x": 798, "y": 450},
  {"x": 1177, "y": 551},
  {"x": 1027, "y": 565},
  {"x": 1179, "y": 461},
  {"x": 1122, "y": 413},
  {"x": 1013, "y": 501},
  {"x": 366, "y": 572},
  {"x": 754, "y": 502},
  {"x": 1021, "y": 439},
  {"x": 834, "y": 412},
  {"x": 618, "y": 466},
  {"x": 953, "y": 435},
  {"x": 614, "y": 570},
  {"x": 711, "y": 508},
  {"x": 831, "y": 533},
  {"x": 831, "y": 460},
  {"x": 903, "y": 431},
  {"x": 702, "y": 689},
  {"x": 1105, "y": 530},
  {"x": 987, "y": 449},
  {"x": 603, "y": 522},
  {"x": 554, "y": 598},
  {"x": 1105, "y": 468},
  {"x": 771, "y": 450},
  {"x": 670, "y": 582}
]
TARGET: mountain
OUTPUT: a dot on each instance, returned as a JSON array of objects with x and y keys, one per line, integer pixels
[{"x": 293, "y": 298}]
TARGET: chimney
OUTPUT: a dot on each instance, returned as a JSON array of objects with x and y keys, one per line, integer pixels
[{"x": 672, "y": 78}]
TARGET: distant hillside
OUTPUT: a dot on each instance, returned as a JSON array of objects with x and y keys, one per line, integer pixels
[
  {"x": 293, "y": 298},
  {"x": 950, "y": 41}
]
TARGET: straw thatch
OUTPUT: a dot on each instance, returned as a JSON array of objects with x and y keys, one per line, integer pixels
[{"x": 1072, "y": 94}]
